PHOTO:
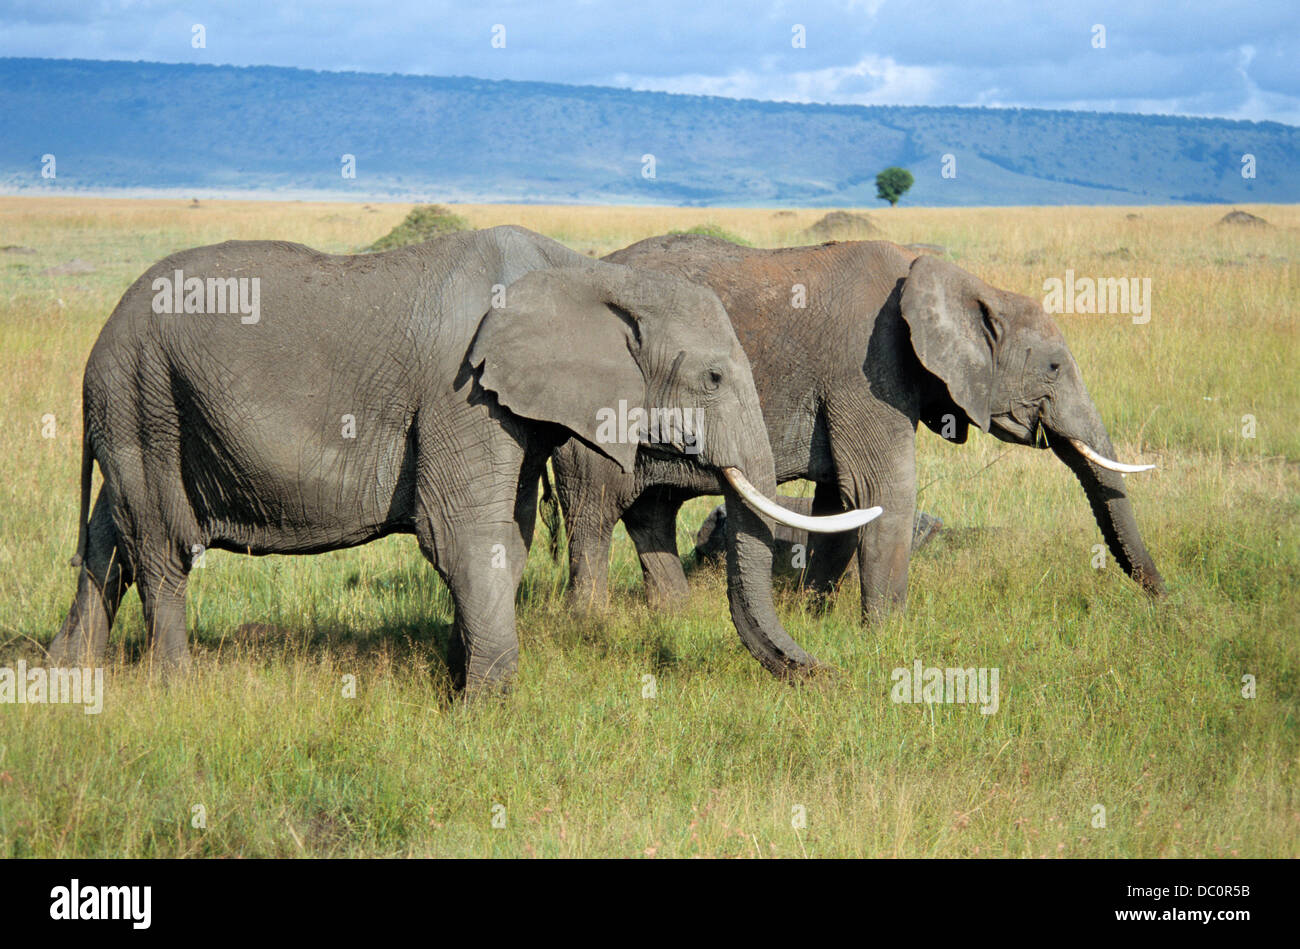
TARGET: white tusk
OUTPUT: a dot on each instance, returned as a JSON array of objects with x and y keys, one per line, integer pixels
[
  {"x": 1104, "y": 462},
  {"x": 829, "y": 524}
]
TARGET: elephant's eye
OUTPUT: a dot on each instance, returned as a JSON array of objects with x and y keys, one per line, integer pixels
[
  {"x": 1054, "y": 368},
  {"x": 713, "y": 379}
]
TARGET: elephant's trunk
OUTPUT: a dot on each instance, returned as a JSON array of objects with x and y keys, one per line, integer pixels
[
  {"x": 749, "y": 586},
  {"x": 742, "y": 443},
  {"x": 1080, "y": 446}
]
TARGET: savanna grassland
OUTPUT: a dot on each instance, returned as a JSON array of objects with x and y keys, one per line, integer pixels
[{"x": 1107, "y": 698}]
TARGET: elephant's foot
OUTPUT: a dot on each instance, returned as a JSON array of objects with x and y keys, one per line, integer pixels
[
  {"x": 77, "y": 647},
  {"x": 584, "y": 601},
  {"x": 484, "y": 677},
  {"x": 68, "y": 649},
  {"x": 170, "y": 666},
  {"x": 588, "y": 579},
  {"x": 475, "y": 690},
  {"x": 670, "y": 602},
  {"x": 483, "y": 652},
  {"x": 667, "y": 590},
  {"x": 83, "y": 637}
]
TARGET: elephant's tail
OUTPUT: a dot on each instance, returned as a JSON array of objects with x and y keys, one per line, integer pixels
[
  {"x": 83, "y": 530},
  {"x": 550, "y": 513}
]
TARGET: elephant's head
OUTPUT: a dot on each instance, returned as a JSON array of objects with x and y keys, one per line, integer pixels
[
  {"x": 631, "y": 360},
  {"x": 1006, "y": 368}
]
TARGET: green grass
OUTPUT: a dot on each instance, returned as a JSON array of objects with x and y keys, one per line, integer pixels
[{"x": 1106, "y": 697}]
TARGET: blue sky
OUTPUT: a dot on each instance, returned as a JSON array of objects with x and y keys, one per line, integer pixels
[{"x": 1212, "y": 59}]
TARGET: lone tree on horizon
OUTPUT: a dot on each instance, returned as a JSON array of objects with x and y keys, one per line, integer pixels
[{"x": 892, "y": 183}]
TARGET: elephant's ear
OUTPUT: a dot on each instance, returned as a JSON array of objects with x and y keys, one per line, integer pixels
[
  {"x": 954, "y": 332},
  {"x": 560, "y": 350}
]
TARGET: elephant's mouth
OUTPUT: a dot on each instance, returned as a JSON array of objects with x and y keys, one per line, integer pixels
[
  {"x": 1008, "y": 428},
  {"x": 832, "y": 524},
  {"x": 665, "y": 451}
]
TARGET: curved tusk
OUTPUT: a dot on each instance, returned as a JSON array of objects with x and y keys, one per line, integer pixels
[
  {"x": 830, "y": 524},
  {"x": 1103, "y": 462}
]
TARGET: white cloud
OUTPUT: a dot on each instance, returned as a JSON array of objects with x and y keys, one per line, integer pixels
[
  {"x": 873, "y": 80},
  {"x": 1157, "y": 82}
]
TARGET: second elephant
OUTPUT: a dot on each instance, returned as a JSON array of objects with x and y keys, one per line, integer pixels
[{"x": 853, "y": 345}]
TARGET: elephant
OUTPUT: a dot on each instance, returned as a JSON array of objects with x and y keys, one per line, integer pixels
[
  {"x": 416, "y": 391},
  {"x": 791, "y": 544},
  {"x": 853, "y": 344}
]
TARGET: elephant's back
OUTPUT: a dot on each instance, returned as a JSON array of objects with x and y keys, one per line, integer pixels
[
  {"x": 237, "y": 277},
  {"x": 273, "y": 331},
  {"x": 282, "y": 299},
  {"x": 735, "y": 272}
]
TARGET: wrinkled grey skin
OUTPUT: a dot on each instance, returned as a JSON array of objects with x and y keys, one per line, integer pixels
[
  {"x": 789, "y": 544},
  {"x": 886, "y": 340},
  {"x": 211, "y": 433}
]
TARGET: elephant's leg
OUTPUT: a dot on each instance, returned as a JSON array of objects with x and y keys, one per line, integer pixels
[
  {"x": 484, "y": 648},
  {"x": 525, "y": 521},
  {"x": 885, "y": 545},
  {"x": 591, "y": 535},
  {"x": 651, "y": 522},
  {"x": 481, "y": 563},
  {"x": 161, "y": 579},
  {"x": 593, "y": 493},
  {"x": 828, "y": 554},
  {"x": 102, "y": 581},
  {"x": 884, "y": 552},
  {"x": 874, "y": 452}
]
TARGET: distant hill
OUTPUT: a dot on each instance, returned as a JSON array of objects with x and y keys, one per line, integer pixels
[{"x": 220, "y": 129}]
